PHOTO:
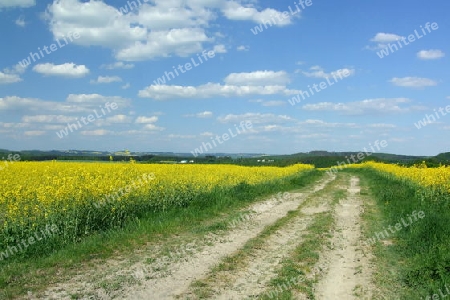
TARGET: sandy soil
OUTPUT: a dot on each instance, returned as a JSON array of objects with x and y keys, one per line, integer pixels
[{"x": 348, "y": 274}]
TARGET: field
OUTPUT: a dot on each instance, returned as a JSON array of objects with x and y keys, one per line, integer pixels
[
  {"x": 82, "y": 198},
  {"x": 286, "y": 224}
]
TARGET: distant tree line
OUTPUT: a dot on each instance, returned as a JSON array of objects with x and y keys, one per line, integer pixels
[{"x": 318, "y": 159}]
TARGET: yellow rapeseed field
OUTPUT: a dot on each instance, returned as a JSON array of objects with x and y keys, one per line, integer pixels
[
  {"x": 434, "y": 178},
  {"x": 82, "y": 197}
]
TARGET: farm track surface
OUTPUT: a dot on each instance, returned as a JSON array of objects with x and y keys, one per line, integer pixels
[
  {"x": 347, "y": 261},
  {"x": 158, "y": 274}
]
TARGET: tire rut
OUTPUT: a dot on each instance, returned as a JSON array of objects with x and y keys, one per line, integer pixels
[{"x": 347, "y": 265}]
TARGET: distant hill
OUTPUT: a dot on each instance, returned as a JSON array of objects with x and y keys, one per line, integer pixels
[{"x": 319, "y": 158}]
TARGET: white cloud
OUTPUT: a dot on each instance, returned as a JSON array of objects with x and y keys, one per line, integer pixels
[
  {"x": 161, "y": 28},
  {"x": 273, "y": 103},
  {"x": 236, "y": 11},
  {"x": 204, "y": 114},
  {"x": 117, "y": 65},
  {"x": 48, "y": 119},
  {"x": 381, "y": 125},
  {"x": 107, "y": 79},
  {"x": 242, "y": 48},
  {"x": 157, "y": 30},
  {"x": 69, "y": 70},
  {"x": 206, "y": 133},
  {"x": 369, "y": 106},
  {"x": 98, "y": 132},
  {"x": 162, "y": 92},
  {"x": 75, "y": 103},
  {"x": 220, "y": 49},
  {"x": 401, "y": 140},
  {"x": 20, "y": 22},
  {"x": 382, "y": 40},
  {"x": 181, "y": 136},
  {"x": 258, "y": 78},
  {"x": 12, "y": 75},
  {"x": 415, "y": 82},
  {"x": 34, "y": 133},
  {"x": 152, "y": 127},
  {"x": 119, "y": 119},
  {"x": 180, "y": 42},
  {"x": 255, "y": 118},
  {"x": 96, "y": 99},
  {"x": 14, "y": 125},
  {"x": 126, "y": 86},
  {"x": 9, "y": 78},
  {"x": 430, "y": 54},
  {"x": 16, "y": 3},
  {"x": 269, "y": 103},
  {"x": 146, "y": 120},
  {"x": 318, "y": 72},
  {"x": 382, "y": 37}
]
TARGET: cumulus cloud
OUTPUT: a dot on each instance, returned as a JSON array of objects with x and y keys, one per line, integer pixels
[
  {"x": 162, "y": 92},
  {"x": 74, "y": 103},
  {"x": 256, "y": 118},
  {"x": 414, "y": 82},
  {"x": 106, "y": 79},
  {"x": 158, "y": 29},
  {"x": 430, "y": 54},
  {"x": 152, "y": 127},
  {"x": 12, "y": 75},
  {"x": 20, "y": 22},
  {"x": 117, "y": 119},
  {"x": 34, "y": 132},
  {"x": 97, "y": 132},
  {"x": 117, "y": 65},
  {"x": 368, "y": 106},
  {"x": 48, "y": 119},
  {"x": 242, "y": 48},
  {"x": 220, "y": 49},
  {"x": 234, "y": 10},
  {"x": 258, "y": 78},
  {"x": 202, "y": 115},
  {"x": 146, "y": 120},
  {"x": 17, "y": 3},
  {"x": 69, "y": 70},
  {"x": 269, "y": 103},
  {"x": 383, "y": 39},
  {"x": 9, "y": 78},
  {"x": 318, "y": 72}
]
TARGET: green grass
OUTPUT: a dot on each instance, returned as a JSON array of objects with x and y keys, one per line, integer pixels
[
  {"x": 209, "y": 213},
  {"x": 415, "y": 261}
]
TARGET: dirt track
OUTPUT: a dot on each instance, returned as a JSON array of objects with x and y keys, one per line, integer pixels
[{"x": 346, "y": 273}]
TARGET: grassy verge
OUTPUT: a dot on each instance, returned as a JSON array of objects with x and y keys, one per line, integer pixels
[
  {"x": 413, "y": 259},
  {"x": 208, "y": 213}
]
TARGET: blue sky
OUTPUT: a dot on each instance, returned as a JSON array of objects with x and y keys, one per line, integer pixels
[{"x": 377, "y": 69}]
